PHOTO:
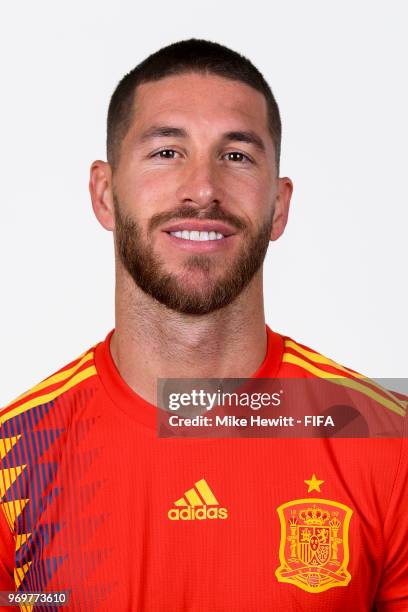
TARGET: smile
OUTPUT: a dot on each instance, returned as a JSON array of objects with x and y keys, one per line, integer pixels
[{"x": 197, "y": 236}]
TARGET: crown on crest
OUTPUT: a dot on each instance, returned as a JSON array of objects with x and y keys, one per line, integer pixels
[{"x": 314, "y": 516}]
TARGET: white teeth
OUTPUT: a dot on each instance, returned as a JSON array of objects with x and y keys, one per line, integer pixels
[{"x": 197, "y": 236}]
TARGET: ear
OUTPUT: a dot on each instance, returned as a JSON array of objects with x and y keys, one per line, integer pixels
[
  {"x": 280, "y": 217},
  {"x": 100, "y": 188}
]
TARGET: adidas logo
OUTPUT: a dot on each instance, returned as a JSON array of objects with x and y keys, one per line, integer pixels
[{"x": 197, "y": 504}]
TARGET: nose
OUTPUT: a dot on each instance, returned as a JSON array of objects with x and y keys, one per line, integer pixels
[{"x": 200, "y": 184}]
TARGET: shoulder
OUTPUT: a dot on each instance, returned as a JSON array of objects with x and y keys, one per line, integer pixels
[
  {"x": 301, "y": 361},
  {"x": 62, "y": 381}
]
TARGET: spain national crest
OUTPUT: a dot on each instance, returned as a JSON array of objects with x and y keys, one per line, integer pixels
[{"x": 314, "y": 551}]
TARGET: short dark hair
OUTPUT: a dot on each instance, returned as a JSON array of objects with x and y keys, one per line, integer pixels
[{"x": 194, "y": 55}]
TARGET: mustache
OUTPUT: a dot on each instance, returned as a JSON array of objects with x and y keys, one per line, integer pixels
[{"x": 186, "y": 212}]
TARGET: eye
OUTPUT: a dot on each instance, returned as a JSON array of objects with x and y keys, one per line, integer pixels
[
  {"x": 236, "y": 156},
  {"x": 165, "y": 154}
]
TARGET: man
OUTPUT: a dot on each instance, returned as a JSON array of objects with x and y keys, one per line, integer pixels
[{"x": 94, "y": 503}]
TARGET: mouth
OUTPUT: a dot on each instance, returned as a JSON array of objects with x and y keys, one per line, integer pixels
[
  {"x": 196, "y": 235},
  {"x": 200, "y": 235},
  {"x": 199, "y": 231}
]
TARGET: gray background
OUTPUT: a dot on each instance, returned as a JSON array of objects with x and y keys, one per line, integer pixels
[{"x": 335, "y": 281}]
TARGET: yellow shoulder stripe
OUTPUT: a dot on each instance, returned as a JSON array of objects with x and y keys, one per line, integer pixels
[
  {"x": 56, "y": 378},
  {"x": 318, "y": 358},
  {"x": 394, "y": 405},
  {"x": 43, "y": 399}
]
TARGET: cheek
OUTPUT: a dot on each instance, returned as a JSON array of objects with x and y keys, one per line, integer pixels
[
  {"x": 250, "y": 179},
  {"x": 251, "y": 194},
  {"x": 145, "y": 193}
]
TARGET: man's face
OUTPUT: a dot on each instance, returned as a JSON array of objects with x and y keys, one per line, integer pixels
[{"x": 194, "y": 191}]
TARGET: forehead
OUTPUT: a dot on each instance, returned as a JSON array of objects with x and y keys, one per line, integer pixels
[{"x": 202, "y": 100}]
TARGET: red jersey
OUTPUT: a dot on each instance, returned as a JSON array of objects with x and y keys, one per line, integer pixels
[{"x": 95, "y": 504}]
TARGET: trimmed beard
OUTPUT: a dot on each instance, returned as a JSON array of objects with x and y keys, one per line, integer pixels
[{"x": 148, "y": 270}]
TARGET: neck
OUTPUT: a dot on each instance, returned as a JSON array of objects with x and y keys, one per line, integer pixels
[{"x": 151, "y": 341}]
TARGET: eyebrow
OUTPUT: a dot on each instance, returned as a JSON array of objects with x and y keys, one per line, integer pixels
[
  {"x": 163, "y": 131},
  {"x": 249, "y": 137}
]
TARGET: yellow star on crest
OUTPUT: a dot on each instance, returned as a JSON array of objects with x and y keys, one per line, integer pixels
[{"x": 314, "y": 484}]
